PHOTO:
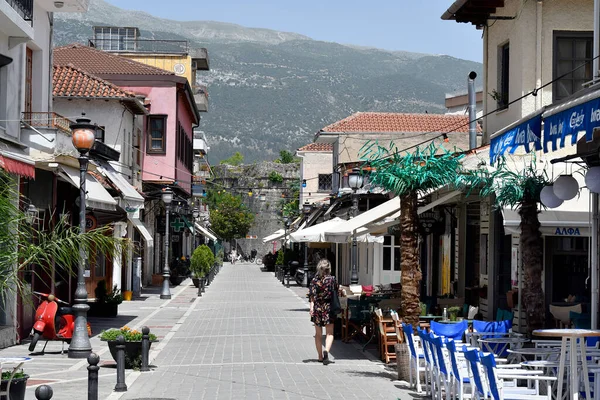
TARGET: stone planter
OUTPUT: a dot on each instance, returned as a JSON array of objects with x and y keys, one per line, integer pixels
[
  {"x": 133, "y": 353},
  {"x": 196, "y": 281},
  {"x": 18, "y": 387},
  {"x": 402, "y": 361}
]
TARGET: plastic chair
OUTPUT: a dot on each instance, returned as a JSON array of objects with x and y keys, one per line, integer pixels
[
  {"x": 459, "y": 374},
  {"x": 444, "y": 378},
  {"x": 477, "y": 388},
  {"x": 415, "y": 359},
  {"x": 561, "y": 314},
  {"x": 431, "y": 361},
  {"x": 450, "y": 331}
]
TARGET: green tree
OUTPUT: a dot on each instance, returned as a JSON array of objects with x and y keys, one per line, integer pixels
[
  {"x": 229, "y": 217},
  {"x": 520, "y": 190},
  {"x": 409, "y": 175},
  {"x": 285, "y": 157},
  {"x": 235, "y": 160},
  {"x": 23, "y": 246}
]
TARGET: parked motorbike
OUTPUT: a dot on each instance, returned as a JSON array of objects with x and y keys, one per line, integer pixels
[
  {"x": 53, "y": 322},
  {"x": 299, "y": 276}
]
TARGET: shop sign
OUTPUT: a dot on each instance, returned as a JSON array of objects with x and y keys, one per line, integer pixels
[
  {"x": 90, "y": 222},
  {"x": 581, "y": 118},
  {"x": 430, "y": 222},
  {"x": 567, "y": 232},
  {"x": 527, "y": 134}
]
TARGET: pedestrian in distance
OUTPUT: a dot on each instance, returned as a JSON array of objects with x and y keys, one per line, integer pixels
[{"x": 321, "y": 290}]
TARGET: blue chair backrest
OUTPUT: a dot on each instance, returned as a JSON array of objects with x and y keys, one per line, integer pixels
[
  {"x": 451, "y": 346},
  {"x": 425, "y": 346},
  {"x": 438, "y": 347},
  {"x": 472, "y": 357},
  {"x": 450, "y": 331},
  {"x": 489, "y": 364},
  {"x": 492, "y": 327},
  {"x": 408, "y": 332}
]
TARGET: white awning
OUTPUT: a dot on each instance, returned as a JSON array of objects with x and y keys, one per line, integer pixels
[
  {"x": 571, "y": 219},
  {"x": 274, "y": 236},
  {"x": 353, "y": 226},
  {"x": 97, "y": 196},
  {"x": 442, "y": 200},
  {"x": 131, "y": 197},
  {"x": 205, "y": 232},
  {"x": 139, "y": 225},
  {"x": 315, "y": 233}
]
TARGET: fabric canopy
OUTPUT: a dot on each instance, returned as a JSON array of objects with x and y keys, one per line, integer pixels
[
  {"x": 340, "y": 233},
  {"x": 315, "y": 233},
  {"x": 17, "y": 162},
  {"x": 139, "y": 225},
  {"x": 130, "y": 196},
  {"x": 97, "y": 196},
  {"x": 205, "y": 232},
  {"x": 274, "y": 236}
]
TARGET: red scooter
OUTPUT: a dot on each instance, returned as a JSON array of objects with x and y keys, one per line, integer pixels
[{"x": 53, "y": 322}]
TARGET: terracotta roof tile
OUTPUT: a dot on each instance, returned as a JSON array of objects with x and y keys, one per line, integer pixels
[
  {"x": 99, "y": 62},
  {"x": 398, "y": 122},
  {"x": 68, "y": 81},
  {"x": 325, "y": 147}
]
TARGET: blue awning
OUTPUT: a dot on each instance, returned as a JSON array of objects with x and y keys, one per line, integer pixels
[
  {"x": 571, "y": 118},
  {"x": 526, "y": 132}
]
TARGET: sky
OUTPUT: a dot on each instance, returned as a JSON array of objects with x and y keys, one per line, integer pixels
[{"x": 410, "y": 25}]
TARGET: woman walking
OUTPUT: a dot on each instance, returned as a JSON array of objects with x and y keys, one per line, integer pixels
[{"x": 322, "y": 288}]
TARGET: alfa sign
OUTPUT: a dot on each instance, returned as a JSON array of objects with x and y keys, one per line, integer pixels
[{"x": 567, "y": 232}]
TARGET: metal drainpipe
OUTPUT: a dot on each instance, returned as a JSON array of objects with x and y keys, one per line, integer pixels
[{"x": 472, "y": 111}]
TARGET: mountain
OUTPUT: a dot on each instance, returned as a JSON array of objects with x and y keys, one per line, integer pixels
[{"x": 271, "y": 90}]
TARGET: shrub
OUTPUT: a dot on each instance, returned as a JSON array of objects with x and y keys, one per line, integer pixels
[
  {"x": 102, "y": 295},
  {"x": 275, "y": 177},
  {"x": 130, "y": 335},
  {"x": 280, "y": 257},
  {"x": 202, "y": 260},
  {"x": 220, "y": 256}
]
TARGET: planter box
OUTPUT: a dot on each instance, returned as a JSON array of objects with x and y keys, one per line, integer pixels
[
  {"x": 157, "y": 279},
  {"x": 18, "y": 387},
  {"x": 133, "y": 353},
  {"x": 104, "y": 310}
]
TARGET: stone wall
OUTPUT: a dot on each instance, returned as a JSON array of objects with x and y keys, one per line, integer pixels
[{"x": 265, "y": 201}]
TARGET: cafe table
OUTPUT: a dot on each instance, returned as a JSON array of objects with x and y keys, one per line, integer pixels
[{"x": 571, "y": 336}]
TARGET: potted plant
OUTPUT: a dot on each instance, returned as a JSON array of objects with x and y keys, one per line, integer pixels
[
  {"x": 453, "y": 313},
  {"x": 133, "y": 344},
  {"x": 202, "y": 259},
  {"x": 18, "y": 385},
  {"x": 220, "y": 256},
  {"x": 106, "y": 304}
]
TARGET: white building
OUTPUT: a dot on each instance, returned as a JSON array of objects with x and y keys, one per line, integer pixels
[{"x": 316, "y": 172}]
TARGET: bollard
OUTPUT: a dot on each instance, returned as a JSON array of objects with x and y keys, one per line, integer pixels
[
  {"x": 202, "y": 281},
  {"x": 287, "y": 279},
  {"x": 145, "y": 349},
  {"x": 43, "y": 392},
  {"x": 93, "y": 369},
  {"x": 121, "y": 386},
  {"x": 199, "y": 287}
]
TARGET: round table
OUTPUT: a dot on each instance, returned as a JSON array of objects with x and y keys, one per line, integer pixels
[
  {"x": 500, "y": 345},
  {"x": 18, "y": 363},
  {"x": 571, "y": 335},
  {"x": 539, "y": 353}
]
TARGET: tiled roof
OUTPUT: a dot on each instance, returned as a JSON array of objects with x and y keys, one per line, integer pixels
[
  {"x": 68, "y": 81},
  {"x": 99, "y": 62},
  {"x": 325, "y": 147},
  {"x": 398, "y": 122}
]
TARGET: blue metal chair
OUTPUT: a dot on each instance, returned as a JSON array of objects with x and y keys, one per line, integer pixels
[
  {"x": 460, "y": 380},
  {"x": 415, "y": 358},
  {"x": 444, "y": 378},
  {"x": 453, "y": 331}
]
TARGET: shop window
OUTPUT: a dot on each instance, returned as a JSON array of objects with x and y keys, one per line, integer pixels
[
  {"x": 391, "y": 253},
  {"x": 157, "y": 134},
  {"x": 573, "y": 55}
]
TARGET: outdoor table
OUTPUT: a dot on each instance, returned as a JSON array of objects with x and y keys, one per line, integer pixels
[
  {"x": 499, "y": 345},
  {"x": 571, "y": 335},
  {"x": 539, "y": 353},
  {"x": 18, "y": 362}
]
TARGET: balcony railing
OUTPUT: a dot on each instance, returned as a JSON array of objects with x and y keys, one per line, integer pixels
[
  {"x": 133, "y": 45},
  {"x": 47, "y": 120},
  {"x": 23, "y": 7}
]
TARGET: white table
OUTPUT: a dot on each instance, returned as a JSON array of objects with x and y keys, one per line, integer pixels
[
  {"x": 18, "y": 363},
  {"x": 571, "y": 335}
]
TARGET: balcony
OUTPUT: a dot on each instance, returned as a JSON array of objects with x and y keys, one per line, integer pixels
[
  {"x": 64, "y": 5},
  {"x": 201, "y": 97},
  {"x": 48, "y": 120},
  {"x": 16, "y": 18},
  {"x": 143, "y": 46},
  {"x": 200, "y": 60}
]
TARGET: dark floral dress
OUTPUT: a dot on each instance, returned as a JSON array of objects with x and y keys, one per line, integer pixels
[{"x": 320, "y": 292}]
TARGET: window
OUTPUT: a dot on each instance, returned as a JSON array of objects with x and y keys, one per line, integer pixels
[
  {"x": 101, "y": 133},
  {"x": 501, "y": 95},
  {"x": 157, "y": 134},
  {"x": 185, "y": 150},
  {"x": 391, "y": 253},
  {"x": 325, "y": 183},
  {"x": 28, "y": 80},
  {"x": 571, "y": 50},
  {"x": 114, "y": 38}
]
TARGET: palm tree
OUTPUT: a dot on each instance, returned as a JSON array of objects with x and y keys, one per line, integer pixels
[
  {"x": 23, "y": 246},
  {"x": 409, "y": 175},
  {"x": 520, "y": 190}
]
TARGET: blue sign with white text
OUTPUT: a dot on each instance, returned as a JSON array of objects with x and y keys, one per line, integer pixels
[
  {"x": 526, "y": 134},
  {"x": 582, "y": 118}
]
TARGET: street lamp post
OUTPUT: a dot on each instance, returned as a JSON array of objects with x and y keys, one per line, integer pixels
[
  {"x": 165, "y": 292},
  {"x": 285, "y": 226},
  {"x": 195, "y": 215},
  {"x": 306, "y": 209},
  {"x": 83, "y": 136},
  {"x": 355, "y": 181}
]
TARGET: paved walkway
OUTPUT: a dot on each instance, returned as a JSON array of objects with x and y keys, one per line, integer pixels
[{"x": 247, "y": 337}]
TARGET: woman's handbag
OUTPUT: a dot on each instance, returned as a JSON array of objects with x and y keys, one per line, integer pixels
[{"x": 336, "y": 307}]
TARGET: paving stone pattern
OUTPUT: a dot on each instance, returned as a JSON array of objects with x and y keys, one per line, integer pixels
[{"x": 249, "y": 337}]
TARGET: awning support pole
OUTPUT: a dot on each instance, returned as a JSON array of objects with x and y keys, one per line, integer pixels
[{"x": 594, "y": 262}]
